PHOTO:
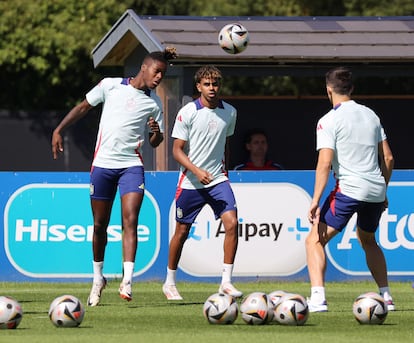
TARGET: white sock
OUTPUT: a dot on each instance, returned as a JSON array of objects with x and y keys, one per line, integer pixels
[
  {"x": 97, "y": 271},
  {"x": 128, "y": 271},
  {"x": 227, "y": 273},
  {"x": 318, "y": 294},
  {"x": 385, "y": 293},
  {"x": 171, "y": 276}
]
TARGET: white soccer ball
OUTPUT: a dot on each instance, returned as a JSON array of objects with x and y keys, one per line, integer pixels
[
  {"x": 220, "y": 309},
  {"x": 257, "y": 309},
  {"x": 275, "y": 296},
  {"x": 370, "y": 308},
  {"x": 291, "y": 309},
  {"x": 11, "y": 313},
  {"x": 233, "y": 38},
  {"x": 66, "y": 311}
]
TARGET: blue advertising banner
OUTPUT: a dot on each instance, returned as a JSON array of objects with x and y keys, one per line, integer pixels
[{"x": 46, "y": 231}]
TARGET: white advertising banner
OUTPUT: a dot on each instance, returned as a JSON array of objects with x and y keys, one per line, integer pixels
[
  {"x": 49, "y": 213},
  {"x": 272, "y": 228}
]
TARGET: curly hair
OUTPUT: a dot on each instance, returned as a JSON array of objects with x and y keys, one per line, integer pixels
[
  {"x": 207, "y": 72},
  {"x": 168, "y": 54}
]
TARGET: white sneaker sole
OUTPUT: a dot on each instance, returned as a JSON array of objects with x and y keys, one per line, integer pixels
[
  {"x": 123, "y": 294},
  {"x": 98, "y": 297},
  {"x": 317, "y": 307},
  {"x": 171, "y": 295},
  {"x": 235, "y": 293}
]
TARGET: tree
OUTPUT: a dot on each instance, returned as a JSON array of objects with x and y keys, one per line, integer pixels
[
  {"x": 45, "y": 45},
  {"x": 379, "y": 8},
  {"x": 45, "y": 50}
]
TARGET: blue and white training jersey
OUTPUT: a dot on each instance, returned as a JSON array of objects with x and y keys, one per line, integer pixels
[
  {"x": 353, "y": 131},
  {"x": 123, "y": 122},
  {"x": 205, "y": 130}
]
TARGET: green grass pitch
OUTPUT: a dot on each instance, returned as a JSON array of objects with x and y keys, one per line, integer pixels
[{"x": 151, "y": 318}]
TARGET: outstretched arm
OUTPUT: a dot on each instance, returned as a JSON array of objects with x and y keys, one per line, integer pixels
[
  {"x": 323, "y": 170},
  {"x": 386, "y": 163},
  {"x": 73, "y": 116},
  {"x": 386, "y": 160},
  {"x": 227, "y": 154}
]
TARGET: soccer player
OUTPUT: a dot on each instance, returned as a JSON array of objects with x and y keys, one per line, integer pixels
[
  {"x": 256, "y": 144},
  {"x": 129, "y": 105},
  {"x": 351, "y": 140},
  {"x": 201, "y": 131}
]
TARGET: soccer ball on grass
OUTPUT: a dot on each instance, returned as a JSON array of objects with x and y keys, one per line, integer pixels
[
  {"x": 257, "y": 309},
  {"x": 275, "y": 296},
  {"x": 233, "y": 38},
  {"x": 291, "y": 309},
  {"x": 66, "y": 311},
  {"x": 220, "y": 309},
  {"x": 11, "y": 313},
  {"x": 370, "y": 308}
]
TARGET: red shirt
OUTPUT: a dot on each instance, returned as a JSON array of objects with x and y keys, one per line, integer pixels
[{"x": 269, "y": 165}]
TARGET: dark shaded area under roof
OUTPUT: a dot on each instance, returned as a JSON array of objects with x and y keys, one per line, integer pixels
[{"x": 380, "y": 48}]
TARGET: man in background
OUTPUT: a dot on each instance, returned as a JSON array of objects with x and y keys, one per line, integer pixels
[{"x": 257, "y": 145}]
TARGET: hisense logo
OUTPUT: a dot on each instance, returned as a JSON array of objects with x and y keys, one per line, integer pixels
[
  {"x": 56, "y": 218},
  {"x": 39, "y": 230}
]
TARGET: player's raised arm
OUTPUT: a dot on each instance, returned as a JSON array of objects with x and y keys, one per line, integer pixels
[{"x": 73, "y": 116}]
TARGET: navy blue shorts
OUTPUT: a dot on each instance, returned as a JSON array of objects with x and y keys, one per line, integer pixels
[
  {"x": 189, "y": 202},
  {"x": 339, "y": 208},
  {"x": 104, "y": 182}
]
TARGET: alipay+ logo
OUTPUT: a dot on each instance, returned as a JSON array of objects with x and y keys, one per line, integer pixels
[{"x": 272, "y": 229}]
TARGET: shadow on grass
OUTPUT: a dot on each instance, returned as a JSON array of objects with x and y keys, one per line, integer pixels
[{"x": 169, "y": 304}]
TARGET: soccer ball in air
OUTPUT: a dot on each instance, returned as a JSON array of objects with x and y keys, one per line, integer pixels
[
  {"x": 66, "y": 311},
  {"x": 220, "y": 309},
  {"x": 370, "y": 308},
  {"x": 11, "y": 313},
  {"x": 257, "y": 309},
  {"x": 291, "y": 309},
  {"x": 233, "y": 38}
]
